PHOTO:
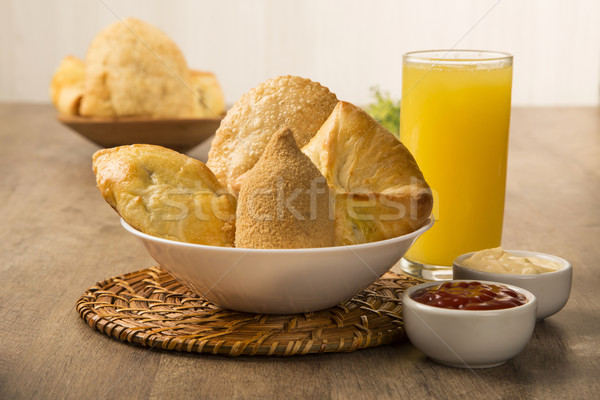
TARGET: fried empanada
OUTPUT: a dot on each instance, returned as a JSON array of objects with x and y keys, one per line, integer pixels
[
  {"x": 166, "y": 194},
  {"x": 66, "y": 87},
  {"x": 380, "y": 190},
  {"x": 209, "y": 94}
]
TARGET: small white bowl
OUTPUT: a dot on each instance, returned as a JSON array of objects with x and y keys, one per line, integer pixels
[
  {"x": 277, "y": 281},
  {"x": 468, "y": 338},
  {"x": 552, "y": 289}
]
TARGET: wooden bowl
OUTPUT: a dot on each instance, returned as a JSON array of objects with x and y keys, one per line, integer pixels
[{"x": 178, "y": 134}]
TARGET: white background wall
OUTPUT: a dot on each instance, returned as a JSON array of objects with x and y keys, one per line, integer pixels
[{"x": 348, "y": 45}]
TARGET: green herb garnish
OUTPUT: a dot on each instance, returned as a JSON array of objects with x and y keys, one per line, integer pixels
[{"x": 385, "y": 110}]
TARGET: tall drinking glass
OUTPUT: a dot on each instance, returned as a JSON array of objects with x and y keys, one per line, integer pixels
[{"x": 454, "y": 118}]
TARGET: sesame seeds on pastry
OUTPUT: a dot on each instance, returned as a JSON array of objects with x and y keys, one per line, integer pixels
[{"x": 291, "y": 101}]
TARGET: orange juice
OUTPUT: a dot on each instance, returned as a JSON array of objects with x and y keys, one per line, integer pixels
[{"x": 454, "y": 118}]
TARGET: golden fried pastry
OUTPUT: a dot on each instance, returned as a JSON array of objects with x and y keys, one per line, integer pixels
[
  {"x": 134, "y": 68},
  {"x": 66, "y": 87},
  {"x": 209, "y": 94},
  {"x": 284, "y": 200},
  {"x": 380, "y": 191},
  {"x": 166, "y": 194},
  {"x": 297, "y": 103}
]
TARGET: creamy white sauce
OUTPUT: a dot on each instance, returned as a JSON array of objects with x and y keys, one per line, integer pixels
[{"x": 499, "y": 261}]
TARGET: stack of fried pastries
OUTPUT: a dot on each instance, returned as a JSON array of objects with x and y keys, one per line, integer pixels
[
  {"x": 293, "y": 168},
  {"x": 133, "y": 69}
]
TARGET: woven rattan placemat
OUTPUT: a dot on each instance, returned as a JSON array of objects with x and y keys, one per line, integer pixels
[{"x": 151, "y": 308}]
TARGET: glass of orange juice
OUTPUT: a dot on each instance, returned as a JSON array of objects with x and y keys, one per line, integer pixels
[{"x": 454, "y": 118}]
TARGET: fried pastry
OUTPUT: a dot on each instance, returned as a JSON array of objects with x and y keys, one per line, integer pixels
[
  {"x": 209, "y": 94},
  {"x": 66, "y": 87},
  {"x": 166, "y": 194},
  {"x": 135, "y": 69},
  {"x": 284, "y": 200},
  {"x": 380, "y": 191},
  {"x": 297, "y": 103}
]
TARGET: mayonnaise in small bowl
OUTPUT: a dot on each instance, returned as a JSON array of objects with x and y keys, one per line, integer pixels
[
  {"x": 547, "y": 276},
  {"x": 498, "y": 261}
]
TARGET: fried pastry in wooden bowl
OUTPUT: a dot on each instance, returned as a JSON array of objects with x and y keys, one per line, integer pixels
[{"x": 134, "y": 86}]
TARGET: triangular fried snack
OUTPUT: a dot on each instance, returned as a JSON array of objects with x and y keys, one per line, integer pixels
[
  {"x": 284, "y": 200},
  {"x": 380, "y": 191}
]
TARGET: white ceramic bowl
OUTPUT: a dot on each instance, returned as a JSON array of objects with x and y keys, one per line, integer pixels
[
  {"x": 552, "y": 289},
  {"x": 468, "y": 338},
  {"x": 278, "y": 281}
]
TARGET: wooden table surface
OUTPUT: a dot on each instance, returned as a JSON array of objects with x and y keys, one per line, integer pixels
[{"x": 58, "y": 237}]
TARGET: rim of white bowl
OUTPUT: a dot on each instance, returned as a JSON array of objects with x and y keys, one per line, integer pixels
[
  {"x": 565, "y": 265},
  {"x": 413, "y": 235},
  {"x": 531, "y": 298}
]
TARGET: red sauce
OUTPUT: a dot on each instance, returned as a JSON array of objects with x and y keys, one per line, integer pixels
[{"x": 469, "y": 296}]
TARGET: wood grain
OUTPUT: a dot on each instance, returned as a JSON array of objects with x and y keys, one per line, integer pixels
[{"x": 58, "y": 237}]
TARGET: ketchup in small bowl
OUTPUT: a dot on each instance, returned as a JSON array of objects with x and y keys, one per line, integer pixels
[
  {"x": 469, "y": 323},
  {"x": 469, "y": 296}
]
